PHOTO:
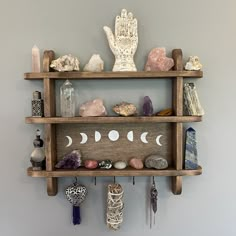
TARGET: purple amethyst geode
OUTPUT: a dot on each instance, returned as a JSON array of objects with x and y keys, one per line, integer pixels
[
  {"x": 147, "y": 106},
  {"x": 70, "y": 161}
]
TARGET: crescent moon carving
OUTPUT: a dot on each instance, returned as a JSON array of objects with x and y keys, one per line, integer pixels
[
  {"x": 130, "y": 136},
  {"x": 84, "y": 138},
  {"x": 69, "y": 141},
  {"x": 158, "y": 140},
  {"x": 143, "y": 137},
  {"x": 113, "y": 135},
  {"x": 97, "y": 136}
]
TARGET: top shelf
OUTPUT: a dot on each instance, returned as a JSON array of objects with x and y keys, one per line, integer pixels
[{"x": 112, "y": 75}]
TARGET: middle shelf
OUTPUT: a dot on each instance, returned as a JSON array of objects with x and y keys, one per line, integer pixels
[{"x": 112, "y": 119}]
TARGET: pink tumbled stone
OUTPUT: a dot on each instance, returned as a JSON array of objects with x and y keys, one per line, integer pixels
[
  {"x": 136, "y": 163},
  {"x": 93, "y": 108},
  {"x": 90, "y": 164},
  {"x": 157, "y": 60}
]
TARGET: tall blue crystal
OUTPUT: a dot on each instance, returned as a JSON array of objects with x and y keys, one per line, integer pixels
[{"x": 191, "y": 162}]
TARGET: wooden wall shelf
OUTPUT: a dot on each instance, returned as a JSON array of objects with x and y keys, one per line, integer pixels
[
  {"x": 54, "y": 130},
  {"x": 113, "y": 75},
  {"x": 111, "y": 120},
  {"x": 113, "y": 172}
]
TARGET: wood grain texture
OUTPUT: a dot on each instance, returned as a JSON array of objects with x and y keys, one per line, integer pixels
[
  {"x": 49, "y": 129},
  {"x": 122, "y": 149},
  {"x": 113, "y": 172},
  {"x": 177, "y": 105},
  {"x": 177, "y": 184},
  {"x": 48, "y": 56},
  {"x": 49, "y": 98},
  {"x": 111, "y": 120},
  {"x": 50, "y": 153},
  {"x": 114, "y": 75}
]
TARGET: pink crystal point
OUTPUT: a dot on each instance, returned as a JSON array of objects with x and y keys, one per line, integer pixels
[
  {"x": 147, "y": 106},
  {"x": 157, "y": 60}
]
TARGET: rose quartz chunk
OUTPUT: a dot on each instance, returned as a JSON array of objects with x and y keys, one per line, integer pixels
[
  {"x": 157, "y": 60},
  {"x": 90, "y": 164},
  {"x": 136, "y": 163},
  {"x": 93, "y": 108}
]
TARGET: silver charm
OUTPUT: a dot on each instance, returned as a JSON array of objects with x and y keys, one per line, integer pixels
[
  {"x": 75, "y": 194},
  {"x": 153, "y": 201}
]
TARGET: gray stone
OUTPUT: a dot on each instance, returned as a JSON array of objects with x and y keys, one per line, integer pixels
[
  {"x": 156, "y": 161},
  {"x": 191, "y": 161}
]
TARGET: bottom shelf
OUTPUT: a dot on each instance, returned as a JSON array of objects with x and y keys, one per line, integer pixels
[{"x": 113, "y": 172}]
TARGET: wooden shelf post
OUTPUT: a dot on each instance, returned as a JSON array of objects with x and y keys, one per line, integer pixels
[
  {"x": 177, "y": 104},
  {"x": 49, "y": 129}
]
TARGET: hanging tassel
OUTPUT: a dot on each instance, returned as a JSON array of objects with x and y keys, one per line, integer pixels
[
  {"x": 76, "y": 215},
  {"x": 153, "y": 201}
]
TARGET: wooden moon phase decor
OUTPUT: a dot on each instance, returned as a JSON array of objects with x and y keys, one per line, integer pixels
[
  {"x": 143, "y": 137},
  {"x": 130, "y": 136},
  {"x": 84, "y": 138},
  {"x": 113, "y": 135},
  {"x": 69, "y": 141},
  {"x": 158, "y": 140},
  {"x": 97, "y": 136}
]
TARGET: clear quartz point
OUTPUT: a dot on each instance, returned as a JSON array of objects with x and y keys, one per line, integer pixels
[{"x": 67, "y": 99}]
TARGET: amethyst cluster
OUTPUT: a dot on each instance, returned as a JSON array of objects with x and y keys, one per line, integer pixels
[
  {"x": 147, "y": 106},
  {"x": 70, "y": 161}
]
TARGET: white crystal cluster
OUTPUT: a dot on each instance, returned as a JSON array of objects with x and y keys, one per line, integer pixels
[
  {"x": 95, "y": 64},
  {"x": 66, "y": 63},
  {"x": 71, "y": 63},
  {"x": 193, "y": 63}
]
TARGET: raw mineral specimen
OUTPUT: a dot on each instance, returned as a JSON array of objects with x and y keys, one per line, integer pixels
[
  {"x": 70, "y": 161},
  {"x": 191, "y": 162},
  {"x": 193, "y": 63},
  {"x": 156, "y": 161},
  {"x": 192, "y": 104},
  {"x": 157, "y": 60},
  {"x": 165, "y": 112},
  {"x": 147, "y": 106},
  {"x": 106, "y": 164},
  {"x": 136, "y": 163},
  {"x": 95, "y": 64},
  {"x": 65, "y": 63},
  {"x": 120, "y": 165},
  {"x": 91, "y": 164},
  {"x": 93, "y": 108},
  {"x": 125, "y": 109}
]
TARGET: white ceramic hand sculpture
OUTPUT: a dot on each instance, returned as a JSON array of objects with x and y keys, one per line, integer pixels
[{"x": 125, "y": 41}]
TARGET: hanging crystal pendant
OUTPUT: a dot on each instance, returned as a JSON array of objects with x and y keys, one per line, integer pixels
[{"x": 67, "y": 98}]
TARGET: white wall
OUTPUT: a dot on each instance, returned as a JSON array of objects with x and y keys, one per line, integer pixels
[{"x": 204, "y": 28}]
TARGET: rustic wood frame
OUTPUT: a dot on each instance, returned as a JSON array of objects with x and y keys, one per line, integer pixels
[{"x": 50, "y": 121}]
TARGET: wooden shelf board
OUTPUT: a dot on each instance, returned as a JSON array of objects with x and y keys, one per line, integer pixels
[
  {"x": 113, "y": 172},
  {"x": 111, "y": 119},
  {"x": 113, "y": 75}
]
